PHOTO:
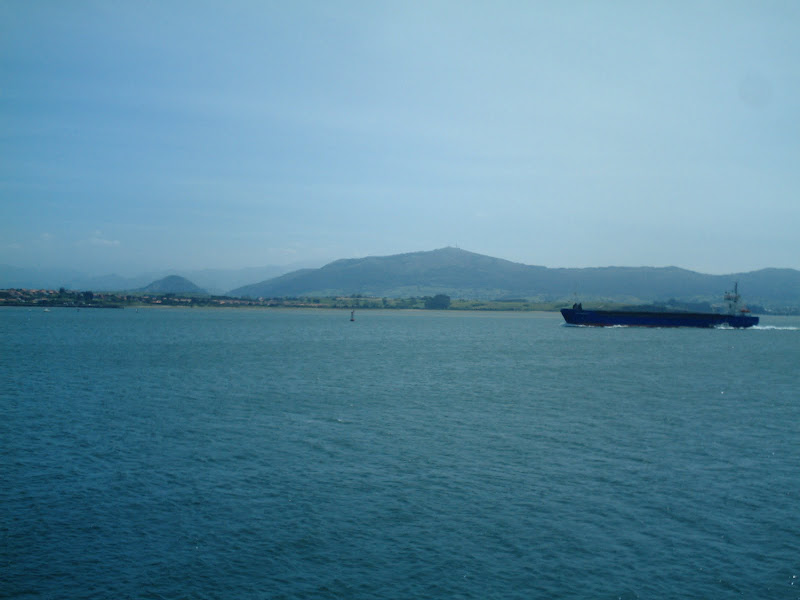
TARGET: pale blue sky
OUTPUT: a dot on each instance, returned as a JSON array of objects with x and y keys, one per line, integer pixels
[{"x": 141, "y": 135}]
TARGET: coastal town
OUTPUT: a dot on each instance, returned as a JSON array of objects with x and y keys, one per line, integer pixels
[
  {"x": 48, "y": 298},
  {"x": 44, "y": 298}
]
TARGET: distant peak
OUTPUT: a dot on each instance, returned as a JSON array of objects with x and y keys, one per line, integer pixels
[{"x": 173, "y": 284}]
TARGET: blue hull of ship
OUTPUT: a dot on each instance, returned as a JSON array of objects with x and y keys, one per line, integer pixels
[{"x": 601, "y": 318}]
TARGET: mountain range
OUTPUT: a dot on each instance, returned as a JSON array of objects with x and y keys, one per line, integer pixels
[
  {"x": 215, "y": 281},
  {"x": 463, "y": 274},
  {"x": 452, "y": 271}
]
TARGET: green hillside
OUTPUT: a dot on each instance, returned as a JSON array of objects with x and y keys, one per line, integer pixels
[{"x": 462, "y": 274}]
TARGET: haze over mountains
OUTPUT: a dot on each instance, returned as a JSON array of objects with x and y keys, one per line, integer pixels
[
  {"x": 215, "y": 281},
  {"x": 173, "y": 284},
  {"x": 463, "y": 274}
]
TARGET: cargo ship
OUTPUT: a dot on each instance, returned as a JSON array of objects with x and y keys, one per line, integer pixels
[{"x": 736, "y": 315}]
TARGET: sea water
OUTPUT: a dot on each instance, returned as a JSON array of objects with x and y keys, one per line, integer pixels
[{"x": 244, "y": 454}]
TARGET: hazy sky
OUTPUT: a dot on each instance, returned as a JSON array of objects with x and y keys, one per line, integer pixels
[{"x": 141, "y": 135}]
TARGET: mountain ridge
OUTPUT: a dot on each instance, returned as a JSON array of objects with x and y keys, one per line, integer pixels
[
  {"x": 463, "y": 274},
  {"x": 216, "y": 281},
  {"x": 452, "y": 271}
]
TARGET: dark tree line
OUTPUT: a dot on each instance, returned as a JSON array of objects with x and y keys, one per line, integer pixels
[{"x": 438, "y": 302}]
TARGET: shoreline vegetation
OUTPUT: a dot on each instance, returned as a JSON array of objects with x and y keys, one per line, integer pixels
[
  {"x": 43, "y": 298},
  {"x": 78, "y": 299}
]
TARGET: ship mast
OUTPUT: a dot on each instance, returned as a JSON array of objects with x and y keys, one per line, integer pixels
[{"x": 733, "y": 298}]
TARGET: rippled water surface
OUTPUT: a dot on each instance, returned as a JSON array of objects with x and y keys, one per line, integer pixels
[{"x": 294, "y": 454}]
